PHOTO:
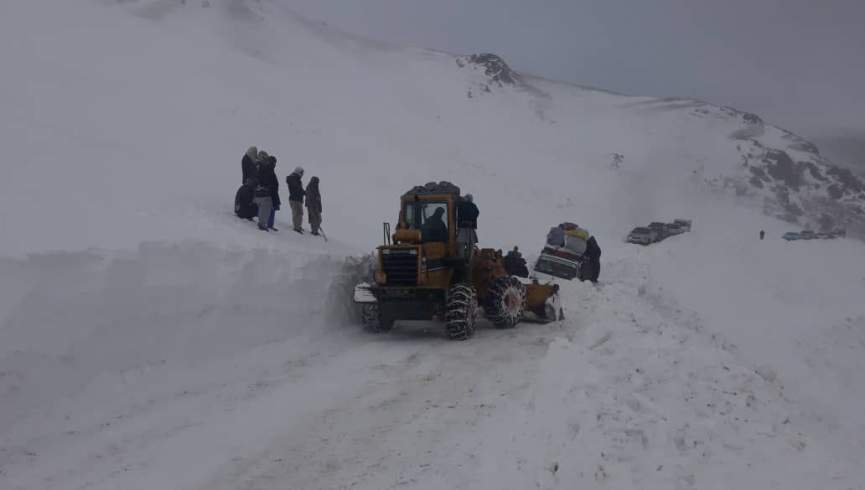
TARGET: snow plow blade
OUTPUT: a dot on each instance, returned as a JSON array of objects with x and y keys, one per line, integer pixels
[{"x": 543, "y": 304}]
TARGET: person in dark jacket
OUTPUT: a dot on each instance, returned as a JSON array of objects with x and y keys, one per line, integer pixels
[
  {"x": 295, "y": 198},
  {"x": 515, "y": 264},
  {"x": 435, "y": 229},
  {"x": 313, "y": 205},
  {"x": 590, "y": 269},
  {"x": 244, "y": 200},
  {"x": 267, "y": 194},
  {"x": 467, "y": 225},
  {"x": 762, "y": 234},
  {"x": 249, "y": 164}
]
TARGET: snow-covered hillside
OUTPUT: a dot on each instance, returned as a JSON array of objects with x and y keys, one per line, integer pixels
[{"x": 150, "y": 339}]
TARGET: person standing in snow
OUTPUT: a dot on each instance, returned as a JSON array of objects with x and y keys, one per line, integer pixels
[
  {"x": 295, "y": 198},
  {"x": 590, "y": 269},
  {"x": 467, "y": 224},
  {"x": 313, "y": 205},
  {"x": 244, "y": 200},
  {"x": 762, "y": 234},
  {"x": 249, "y": 164},
  {"x": 515, "y": 264},
  {"x": 267, "y": 194}
]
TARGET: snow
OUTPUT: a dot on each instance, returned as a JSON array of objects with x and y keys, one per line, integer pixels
[{"x": 150, "y": 339}]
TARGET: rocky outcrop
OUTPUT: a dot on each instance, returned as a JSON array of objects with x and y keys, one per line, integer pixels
[
  {"x": 800, "y": 185},
  {"x": 493, "y": 70}
]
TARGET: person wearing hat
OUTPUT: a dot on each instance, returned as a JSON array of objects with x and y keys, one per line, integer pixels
[
  {"x": 313, "y": 205},
  {"x": 467, "y": 224},
  {"x": 295, "y": 198}
]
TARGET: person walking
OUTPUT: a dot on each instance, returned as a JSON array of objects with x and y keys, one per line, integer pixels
[
  {"x": 313, "y": 205},
  {"x": 295, "y": 198},
  {"x": 762, "y": 234}
]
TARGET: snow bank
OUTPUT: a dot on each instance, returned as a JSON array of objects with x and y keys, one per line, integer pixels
[{"x": 72, "y": 319}]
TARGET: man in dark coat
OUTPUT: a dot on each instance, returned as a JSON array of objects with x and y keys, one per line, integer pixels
[
  {"x": 313, "y": 205},
  {"x": 515, "y": 264},
  {"x": 590, "y": 269},
  {"x": 244, "y": 205},
  {"x": 295, "y": 198},
  {"x": 467, "y": 225},
  {"x": 435, "y": 229},
  {"x": 267, "y": 194},
  {"x": 249, "y": 164}
]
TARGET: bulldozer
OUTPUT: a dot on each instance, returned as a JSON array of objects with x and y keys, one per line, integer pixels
[{"x": 423, "y": 272}]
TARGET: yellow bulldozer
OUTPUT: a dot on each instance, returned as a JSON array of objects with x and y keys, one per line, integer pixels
[{"x": 424, "y": 272}]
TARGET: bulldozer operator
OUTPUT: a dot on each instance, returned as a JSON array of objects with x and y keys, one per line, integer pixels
[{"x": 435, "y": 229}]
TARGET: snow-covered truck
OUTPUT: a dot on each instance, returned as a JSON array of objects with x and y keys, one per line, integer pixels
[{"x": 563, "y": 254}]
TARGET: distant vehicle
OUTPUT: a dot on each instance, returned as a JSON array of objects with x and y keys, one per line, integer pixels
[
  {"x": 657, "y": 231},
  {"x": 840, "y": 232},
  {"x": 790, "y": 236},
  {"x": 660, "y": 229},
  {"x": 825, "y": 235},
  {"x": 807, "y": 235},
  {"x": 642, "y": 236},
  {"x": 675, "y": 228},
  {"x": 685, "y": 224}
]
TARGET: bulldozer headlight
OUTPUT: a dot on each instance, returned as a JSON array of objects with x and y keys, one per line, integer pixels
[{"x": 380, "y": 277}]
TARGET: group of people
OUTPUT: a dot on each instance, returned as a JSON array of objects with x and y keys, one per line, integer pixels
[{"x": 259, "y": 194}]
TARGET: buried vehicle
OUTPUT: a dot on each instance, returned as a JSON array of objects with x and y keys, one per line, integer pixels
[
  {"x": 423, "y": 272},
  {"x": 567, "y": 254}
]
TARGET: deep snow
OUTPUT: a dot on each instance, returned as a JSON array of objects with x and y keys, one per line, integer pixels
[{"x": 149, "y": 339}]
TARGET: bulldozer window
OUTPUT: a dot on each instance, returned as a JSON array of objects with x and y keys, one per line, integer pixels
[{"x": 421, "y": 215}]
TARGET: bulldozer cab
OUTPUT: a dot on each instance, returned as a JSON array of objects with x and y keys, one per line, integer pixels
[
  {"x": 422, "y": 250},
  {"x": 433, "y": 216}
]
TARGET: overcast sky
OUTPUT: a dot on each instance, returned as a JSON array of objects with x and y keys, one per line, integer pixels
[{"x": 799, "y": 63}]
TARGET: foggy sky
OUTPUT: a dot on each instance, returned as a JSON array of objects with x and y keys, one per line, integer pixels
[{"x": 798, "y": 63}]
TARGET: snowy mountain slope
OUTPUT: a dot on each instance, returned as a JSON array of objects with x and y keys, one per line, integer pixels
[
  {"x": 188, "y": 350},
  {"x": 316, "y": 99}
]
